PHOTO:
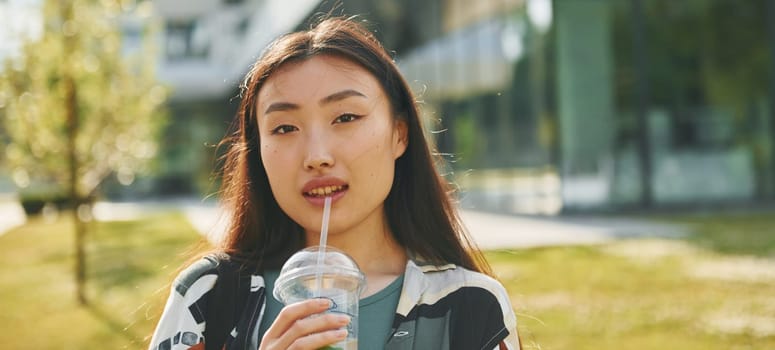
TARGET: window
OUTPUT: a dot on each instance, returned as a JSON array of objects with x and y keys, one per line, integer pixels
[{"x": 185, "y": 40}]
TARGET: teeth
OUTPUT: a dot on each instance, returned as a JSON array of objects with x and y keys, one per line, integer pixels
[{"x": 325, "y": 190}]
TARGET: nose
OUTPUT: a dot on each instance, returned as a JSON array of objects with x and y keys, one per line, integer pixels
[{"x": 318, "y": 154}]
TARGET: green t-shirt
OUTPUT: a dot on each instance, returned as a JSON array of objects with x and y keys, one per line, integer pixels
[
  {"x": 375, "y": 312},
  {"x": 375, "y": 316}
]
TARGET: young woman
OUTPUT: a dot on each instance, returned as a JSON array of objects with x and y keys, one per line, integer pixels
[{"x": 326, "y": 113}]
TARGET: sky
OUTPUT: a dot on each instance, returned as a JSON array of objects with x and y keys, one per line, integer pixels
[{"x": 18, "y": 19}]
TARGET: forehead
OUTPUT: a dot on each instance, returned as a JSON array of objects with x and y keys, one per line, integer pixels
[{"x": 309, "y": 80}]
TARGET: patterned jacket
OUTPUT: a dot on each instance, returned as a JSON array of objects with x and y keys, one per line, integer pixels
[{"x": 440, "y": 307}]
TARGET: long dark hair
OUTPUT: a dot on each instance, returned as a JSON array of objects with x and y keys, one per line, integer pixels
[{"x": 418, "y": 208}]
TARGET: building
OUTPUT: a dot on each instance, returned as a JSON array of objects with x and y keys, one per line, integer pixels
[{"x": 545, "y": 105}]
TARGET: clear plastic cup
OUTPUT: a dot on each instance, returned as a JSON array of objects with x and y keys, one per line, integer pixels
[{"x": 336, "y": 278}]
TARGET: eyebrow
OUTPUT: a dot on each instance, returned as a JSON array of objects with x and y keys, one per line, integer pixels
[{"x": 337, "y": 96}]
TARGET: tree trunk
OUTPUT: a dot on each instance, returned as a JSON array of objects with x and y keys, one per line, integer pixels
[
  {"x": 80, "y": 256},
  {"x": 71, "y": 112},
  {"x": 71, "y": 99}
]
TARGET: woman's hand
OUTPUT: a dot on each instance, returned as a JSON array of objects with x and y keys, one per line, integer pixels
[{"x": 293, "y": 329}]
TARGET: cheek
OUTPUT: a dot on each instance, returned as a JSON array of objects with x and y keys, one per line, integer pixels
[
  {"x": 272, "y": 160},
  {"x": 376, "y": 160},
  {"x": 367, "y": 150}
]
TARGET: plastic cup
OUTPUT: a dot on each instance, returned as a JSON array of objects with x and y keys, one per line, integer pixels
[{"x": 336, "y": 278}]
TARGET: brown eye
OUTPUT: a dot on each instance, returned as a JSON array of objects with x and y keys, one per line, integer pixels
[
  {"x": 283, "y": 129},
  {"x": 346, "y": 118}
]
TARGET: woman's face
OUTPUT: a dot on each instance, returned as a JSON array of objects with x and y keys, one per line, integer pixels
[{"x": 326, "y": 129}]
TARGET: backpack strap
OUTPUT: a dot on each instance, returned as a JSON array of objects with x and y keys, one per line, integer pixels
[
  {"x": 219, "y": 318},
  {"x": 230, "y": 306}
]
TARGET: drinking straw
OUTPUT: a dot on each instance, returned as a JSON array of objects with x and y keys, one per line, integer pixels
[
  {"x": 322, "y": 245},
  {"x": 324, "y": 228}
]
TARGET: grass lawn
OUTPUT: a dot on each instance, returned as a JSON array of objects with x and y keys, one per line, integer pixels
[
  {"x": 130, "y": 265},
  {"x": 712, "y": 290}
]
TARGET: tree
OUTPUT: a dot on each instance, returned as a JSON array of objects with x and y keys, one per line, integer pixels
[{"x": 78, "y": 109}]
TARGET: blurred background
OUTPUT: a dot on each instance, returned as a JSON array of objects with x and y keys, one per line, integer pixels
[
  {"x": 644, "y": 127},
  {"x": 543, "y": 105}
]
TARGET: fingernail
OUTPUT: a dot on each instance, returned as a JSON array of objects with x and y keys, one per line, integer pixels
[
  {"x": 344, "y": 319},
  {"x": 341, "y": 333},
  {"x": 324, "y": 302}
]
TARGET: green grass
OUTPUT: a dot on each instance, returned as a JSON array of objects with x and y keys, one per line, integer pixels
[
  {"x": 711, "y": 290},
  {"x": 129, "y": 264},
  {"x": 715, "y": 289},
  {"x": 749, "y": 234}
]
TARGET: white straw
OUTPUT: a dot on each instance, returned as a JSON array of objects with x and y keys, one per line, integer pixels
[
  {"x": 324, "y": 228},
  {"x": 322, "y": 245}
]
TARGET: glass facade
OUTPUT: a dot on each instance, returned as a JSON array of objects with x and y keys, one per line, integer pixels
[
  {"x": 605, "y": 104},
  {"x": 693, "y": 82},
  {"x": 548, "y": 105}
]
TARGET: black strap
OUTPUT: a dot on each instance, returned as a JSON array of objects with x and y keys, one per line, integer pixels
[{"x": 221, "y": 304}]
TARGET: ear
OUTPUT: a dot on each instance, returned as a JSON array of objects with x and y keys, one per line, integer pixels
[{"x": 400, "y": 138}]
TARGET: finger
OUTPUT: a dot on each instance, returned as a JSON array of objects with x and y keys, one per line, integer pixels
[
  {"x": 293, "y": 312},
  {"x": 318, "y": 340},
  {"x": 316, "y": 324},
  {"x": 305, "y": 327}
]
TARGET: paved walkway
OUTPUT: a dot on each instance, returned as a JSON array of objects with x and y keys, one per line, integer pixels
[
  {"x": 489, "y": 231},
  {"x": 11, "y": 214},
  {"x": 494, "y": 231}
]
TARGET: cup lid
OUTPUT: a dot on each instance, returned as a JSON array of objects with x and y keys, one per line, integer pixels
[{"x": 304, "y": 263}]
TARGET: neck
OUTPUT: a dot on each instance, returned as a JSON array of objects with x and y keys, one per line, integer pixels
[
  {"x": 375, "y": 254},
  {"x": 378, "y": 255}
]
